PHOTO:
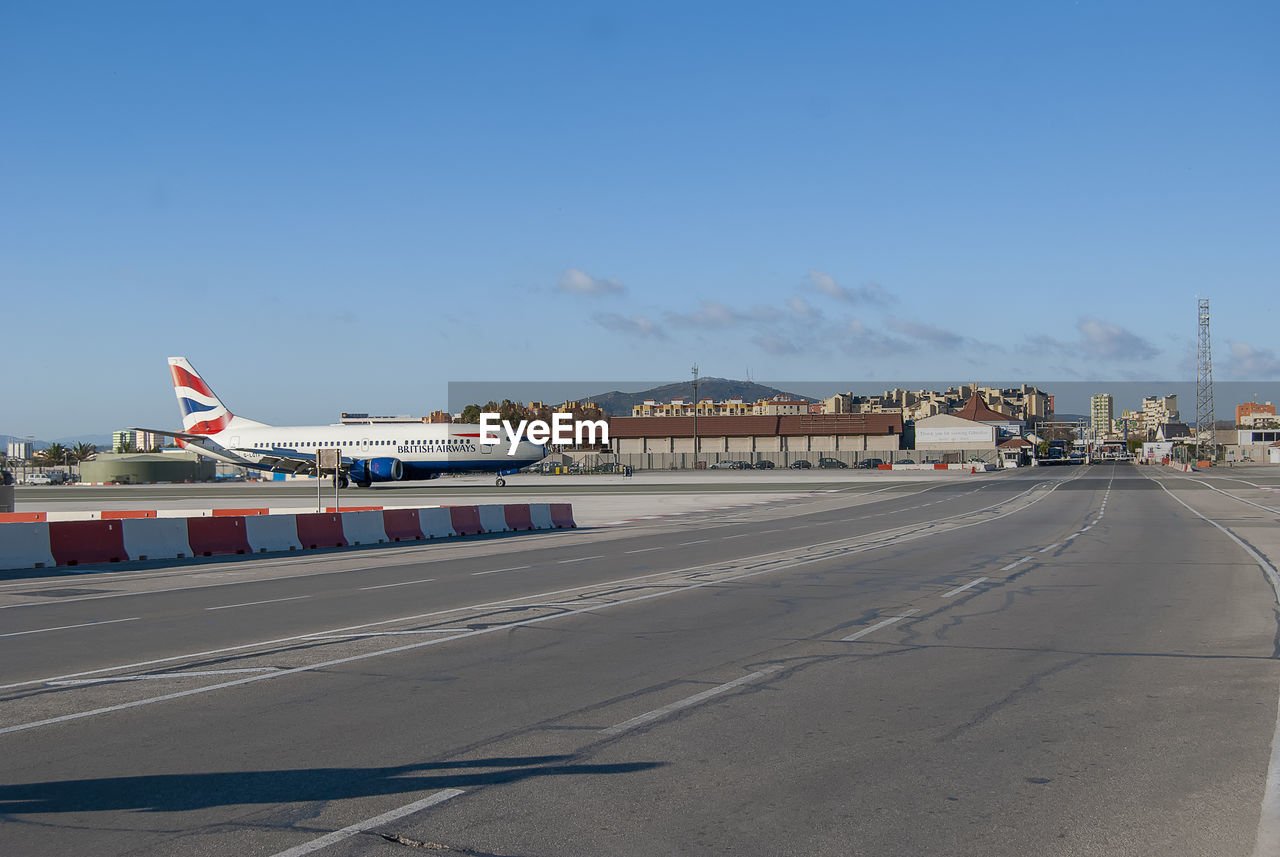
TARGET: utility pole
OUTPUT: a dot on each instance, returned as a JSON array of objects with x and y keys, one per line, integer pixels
[
  {"x": 695, "y": 415},
  {"x": 1206, "y": 440}
]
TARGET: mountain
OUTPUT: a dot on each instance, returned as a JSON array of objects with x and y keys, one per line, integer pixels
[{"x": 618, "y": 404}]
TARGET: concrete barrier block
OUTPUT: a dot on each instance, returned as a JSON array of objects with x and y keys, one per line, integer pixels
[
  {"x": 321, "y": 530},
  {"x": 25, "y": 545},
  {"x": 156, "y": 538},
  {"x": 402, "y": 525},
  {"x": 540, "y": 514},
  {"x": 436, "y": 523},
  {"x": 217, "y": 536},
  {"x": 493, "y": 519},
  {"x": 466, "y": 520},
  {"x": 562, "y": 516},
  {"x": 517, "y": 515},
  {"x": 76, "y": 542},
  {"x": 364, "y": 527},
  {"x": 272, "y": 533}
]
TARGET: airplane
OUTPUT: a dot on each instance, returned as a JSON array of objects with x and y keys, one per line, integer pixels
[{"x": 386, "y": 452}]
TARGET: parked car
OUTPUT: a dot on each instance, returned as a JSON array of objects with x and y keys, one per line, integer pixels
[
  {"x": 724, "y": 465},
  {"x": 831, "y": 462},
  {"x": 870, "y": 463},
  {"x": 802, "y": 464},
  {"x": 765, "y": 464},
  {"x": 39, "y": 479}
]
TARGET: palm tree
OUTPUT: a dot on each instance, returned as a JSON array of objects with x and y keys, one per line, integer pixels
[
  {"x": 81, "y": 451},
  {"x": 55, "y": 454}
]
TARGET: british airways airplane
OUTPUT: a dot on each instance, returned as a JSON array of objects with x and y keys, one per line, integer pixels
[{"x": 386, "y": 452}]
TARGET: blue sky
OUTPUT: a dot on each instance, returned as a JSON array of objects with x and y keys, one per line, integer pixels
[{"x": 328, "y": 207}]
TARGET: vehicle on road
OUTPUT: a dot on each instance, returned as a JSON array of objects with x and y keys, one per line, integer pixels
[
  {"x": 39, "y": 479},
  {"x": 801, "y": 464},
  {"x": 831, "y": 463},
  {"x": 765, "y": 464},
  {"x": 724, "y": 465},
  {"x": 870, "y": 463}
]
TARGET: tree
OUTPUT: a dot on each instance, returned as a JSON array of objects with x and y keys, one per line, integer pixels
[
  {"x": 81, "y": 451},
  {"x": 471, "y": 414},
  {"x": 55, "y": 454}
]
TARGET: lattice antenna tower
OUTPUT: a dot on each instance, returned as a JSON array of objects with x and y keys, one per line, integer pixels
[{"x": 1206, "y": 441}]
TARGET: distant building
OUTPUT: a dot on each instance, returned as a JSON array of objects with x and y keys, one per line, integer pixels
[
  {"x": 1025, "y": 403},
  {"x": 21, "y": 449},
  {"x": 147, "y": 440},
  {"x": 1102, "y": 414},
  {"x": 439, "y": 417},
  {"x": 1173, "y": 431},
  {"x": 1158, "y": 411},
  {"x": 1252, "y": 413},
  {"x": 826, "y": 433},
  {"x": 125, "y": 440}
]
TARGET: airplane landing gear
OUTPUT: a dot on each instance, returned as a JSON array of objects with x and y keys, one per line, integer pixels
[
  {"x": 501, "y": 483},
  {"x": 342, "y": 482}
]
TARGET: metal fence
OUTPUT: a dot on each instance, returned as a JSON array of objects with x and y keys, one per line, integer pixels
[{"x": 818, "y": 460}]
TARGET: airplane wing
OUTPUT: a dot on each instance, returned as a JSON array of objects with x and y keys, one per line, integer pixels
[
  {"x": 180, "y": 435},
  {"x": 287, "y": 461}
]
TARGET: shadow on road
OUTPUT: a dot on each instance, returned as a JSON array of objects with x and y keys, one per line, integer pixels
[{"x": 179, "y": 792}]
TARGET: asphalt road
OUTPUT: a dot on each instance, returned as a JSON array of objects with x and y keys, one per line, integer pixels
[{"x": 1056, "y": 661}]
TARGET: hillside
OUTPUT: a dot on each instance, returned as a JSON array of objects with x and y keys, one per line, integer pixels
[{"x": 618, "y": 404}]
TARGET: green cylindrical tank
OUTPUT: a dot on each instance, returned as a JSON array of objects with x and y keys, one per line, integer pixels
[{"x": 135, "y": 468}]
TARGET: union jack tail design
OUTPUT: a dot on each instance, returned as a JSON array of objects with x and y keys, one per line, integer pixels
[{"x": 202, "y": 411}]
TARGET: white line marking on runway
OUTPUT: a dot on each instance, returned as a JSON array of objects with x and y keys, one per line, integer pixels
[
  {"x": 738, "y": 536},
  {"x": 642, "y": 550},
  {"x": 21, "y": 727},
  {"x": 1016, "y": 563},
  {"x": 66, "y": 627},
  {"x": 1051, "y": 547},
  {"x": 499, "y": 570},
  {"x": 361, "y": 826},
  {"x": 154, "y": 676},
  {"x": 960, "y": 589},
  {"x": 1268, "y": 838},
  {"x": 252, "y": 603},
  {"x": 388, "y": 633},
  {"x": 581, "y": 559},
  {"x": 695, "y": 542},
  {"x": 658, "y": 713},
  {"x": 405, "y": 583},
  {"x": 877, "y": 626}
]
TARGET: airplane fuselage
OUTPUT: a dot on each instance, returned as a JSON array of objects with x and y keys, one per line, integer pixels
[{"x": 423, "y": 450}]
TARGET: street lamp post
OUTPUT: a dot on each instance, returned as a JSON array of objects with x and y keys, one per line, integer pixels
[{"x": 695, "y": 416}]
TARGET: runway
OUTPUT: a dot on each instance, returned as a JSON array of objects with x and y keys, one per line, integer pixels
[{"x": 1054, "y": 661}]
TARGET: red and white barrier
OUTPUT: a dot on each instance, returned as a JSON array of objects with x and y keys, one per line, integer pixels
[{"x": 40, "y": 540}]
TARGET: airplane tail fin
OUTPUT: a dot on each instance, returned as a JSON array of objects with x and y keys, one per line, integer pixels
[{"x": 202, "y": 411}]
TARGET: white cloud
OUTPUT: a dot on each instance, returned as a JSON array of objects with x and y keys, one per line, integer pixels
[
  {"x": 1249, "y": 363},
  {"x": 635, "y": 325},
  {"x": 1112, "y": 342},
  {"x": 582, "y": 283},
  {"x": 923, "y": 332},
  {"x": 871, "y": 293}
]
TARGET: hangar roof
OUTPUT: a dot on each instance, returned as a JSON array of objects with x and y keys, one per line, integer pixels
[
  {"x": 977, "y": 410},
  {"x": 758, "y": 426}
]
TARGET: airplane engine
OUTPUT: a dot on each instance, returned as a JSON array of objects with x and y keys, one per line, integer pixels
[{"x": 384, "y": 469}]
